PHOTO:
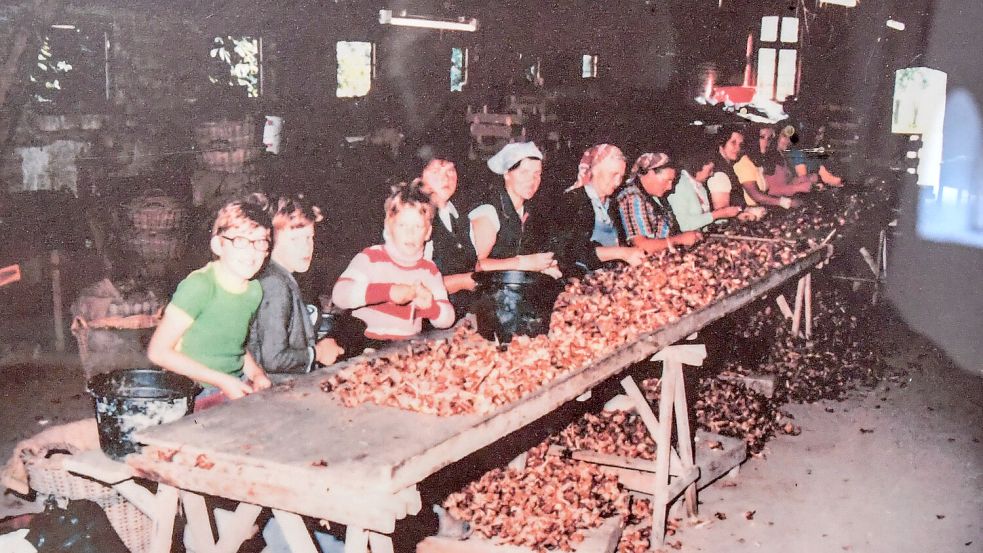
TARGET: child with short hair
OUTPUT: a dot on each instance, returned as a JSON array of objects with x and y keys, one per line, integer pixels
[
  {"x": 203, "y": 332},
  {"x": 391, "y": 287},
  {"x": 283, "y": 338}
]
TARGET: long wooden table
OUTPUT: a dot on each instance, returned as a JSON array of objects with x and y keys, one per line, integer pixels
[{"x": 296, "y": 449}]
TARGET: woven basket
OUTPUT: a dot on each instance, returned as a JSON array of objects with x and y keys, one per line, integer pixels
[
  {"x": 151, "y": 246},
  {"x": 113, "y": 343},
  {"x": 237, "y": 134},
  {"x": 155, "y": 211},
  {"x": 48, "y": 476},
  {"x": 229, "y": 161}
]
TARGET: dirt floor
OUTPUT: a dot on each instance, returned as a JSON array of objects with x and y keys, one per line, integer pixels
[{"x": 898, "y": 468}]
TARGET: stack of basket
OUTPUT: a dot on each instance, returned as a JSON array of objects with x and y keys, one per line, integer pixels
[
  {"x": 112, "y": 329},
  {"x": 226, "y": 152},
  {"x": 155, "y": 233}
]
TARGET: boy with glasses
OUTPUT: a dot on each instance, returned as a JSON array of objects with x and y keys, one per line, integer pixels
[{"x": 203, "y": 332}]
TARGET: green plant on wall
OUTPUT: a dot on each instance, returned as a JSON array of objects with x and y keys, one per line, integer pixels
[
  {"x": 69, "y": 73},
  {"x": 237, "y": 63}
]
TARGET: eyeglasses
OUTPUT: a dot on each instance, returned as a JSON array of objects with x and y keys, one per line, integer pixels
[{"x": 241, "y": 243}]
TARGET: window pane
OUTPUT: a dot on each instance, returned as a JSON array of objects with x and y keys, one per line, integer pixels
[
  {"x": 459, "y": 69},
  {"x": 588, "y": 66},
  {"x": 354, "y": 69},
  {"x": 769, "y": 28},
  {"x": 235, "y": 62},
  {"x": 766, "y": 71},
  {"x": 785, "y": 84},
  {"x": 69, "y": 73},
  {"x": 790, "y": 29}
]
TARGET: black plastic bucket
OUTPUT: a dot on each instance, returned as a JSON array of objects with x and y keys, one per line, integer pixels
[
  {"x": 130, "y": 400},
  {"x": 514, "y": 303}
]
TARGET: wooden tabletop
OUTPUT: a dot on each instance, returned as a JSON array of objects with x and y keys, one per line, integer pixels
[{"x": 296, "y": 439}]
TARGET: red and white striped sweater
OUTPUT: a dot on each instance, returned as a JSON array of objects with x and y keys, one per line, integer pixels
[{"x": 365, "y": 285}]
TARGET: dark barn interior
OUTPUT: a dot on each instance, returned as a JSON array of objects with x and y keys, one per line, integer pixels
[{"x": 111, "y": 111}]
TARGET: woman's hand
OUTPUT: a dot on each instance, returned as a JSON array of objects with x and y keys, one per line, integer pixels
[
  {"x": 536, "y": 261},
  {"x": 553, "y": 271},
  {"x": 687, "y": 238},
  {"x": 232, "y": 387},
  {"x": 726, "y": 212},
  {"x": 633, "y": 256}
]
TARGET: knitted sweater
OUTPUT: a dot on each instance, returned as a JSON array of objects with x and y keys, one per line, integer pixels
[{"x": 365, "y": 286}]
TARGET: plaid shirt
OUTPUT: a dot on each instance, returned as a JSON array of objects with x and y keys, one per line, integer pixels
[{"x": 643, "y": 215}]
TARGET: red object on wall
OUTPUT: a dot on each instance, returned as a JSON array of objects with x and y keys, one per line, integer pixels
[{"x": 734, "y": 94}]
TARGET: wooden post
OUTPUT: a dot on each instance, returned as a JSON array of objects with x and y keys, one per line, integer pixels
[
  {"x": 797, "y": 313},
  {"x": 356, "y": 540},
  {"x": 682, "y": 432},
  {"x": 239, "y": 529},
  {"x": 199, "y": 527},
  {"x": 56, "y": 301},
  {"x": 295, "y": 532},
  {"x": 163, "y": 519},
  {"x": 808, "y": 302},
  {"x": 651, "y": 423},
  {"x": 660, "y": 500},
  {"x": 380, "y": 543}
]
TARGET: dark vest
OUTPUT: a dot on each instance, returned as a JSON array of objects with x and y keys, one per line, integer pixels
[
  {"x": 452, "y": 251},
  {"x": 736, "y": 190},
  {"x": 508, "y": 243}
]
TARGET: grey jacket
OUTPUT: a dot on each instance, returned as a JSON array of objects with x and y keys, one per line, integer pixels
[{"x": 281, "y": 338}]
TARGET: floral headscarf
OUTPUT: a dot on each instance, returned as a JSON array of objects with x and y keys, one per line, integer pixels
[
  {"x": 594, "y": 156},
  {"x": 647, "y": 162}
]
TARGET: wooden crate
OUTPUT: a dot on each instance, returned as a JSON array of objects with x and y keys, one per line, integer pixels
[{"x": 603, "y": 539}]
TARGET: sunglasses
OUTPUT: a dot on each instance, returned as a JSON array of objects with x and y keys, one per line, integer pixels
[{"x": 241, "y": 243}]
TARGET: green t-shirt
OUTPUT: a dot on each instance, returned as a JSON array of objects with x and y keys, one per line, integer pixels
[{"x": 217, "y": 337}]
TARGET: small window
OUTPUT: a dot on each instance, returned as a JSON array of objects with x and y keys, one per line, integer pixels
[
  {"x": 237, "y": 62},
  {"x": 769, "y": 28},
  {"x": 356, "y": 67},
  {"x": 787, "y": 70},
  {"x": 588, "y": 66},
  {"x": 766, "y": 71},
  {"x": 459, "y": 69},
  {"x": 71, "y": 71},
  {"x": 790, "y": 29}
]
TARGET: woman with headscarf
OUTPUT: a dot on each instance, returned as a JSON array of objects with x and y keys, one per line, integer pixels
[
  {"x": 646, "y": 217},
  {"x": 500, "y": 226},
  {"x": 585, "y": 232}
]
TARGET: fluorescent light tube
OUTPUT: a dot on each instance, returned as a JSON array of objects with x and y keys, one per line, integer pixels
[{"x": 386, "y": 17}]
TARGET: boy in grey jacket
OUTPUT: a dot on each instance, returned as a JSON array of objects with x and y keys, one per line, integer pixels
[{"x": 282, "y": 337}]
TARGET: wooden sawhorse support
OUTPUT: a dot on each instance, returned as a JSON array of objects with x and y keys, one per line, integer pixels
[
  {"x": 162, "y": 509},
  {"x": 801, "y": 315},
  {"x": 672, "y": 402}
]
